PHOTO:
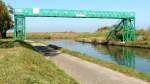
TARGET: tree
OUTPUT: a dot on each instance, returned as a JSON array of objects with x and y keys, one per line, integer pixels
[{"x": 6, "y": 22}]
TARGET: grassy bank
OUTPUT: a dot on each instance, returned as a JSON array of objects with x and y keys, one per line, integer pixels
[
  {"x": 63, "y": 35},
  {"x": 21, "y": 65},
  {"x": 119, "y": 68},
  {"x": 142, "y": 40},
  {"x": 49, "y": 35}
]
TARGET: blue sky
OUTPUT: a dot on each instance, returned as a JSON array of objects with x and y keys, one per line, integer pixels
[{"x": 140, "y": 7}]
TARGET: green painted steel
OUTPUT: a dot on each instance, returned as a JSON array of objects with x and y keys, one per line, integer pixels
[
  {"x": 28, "y": 12},
  {"x": 19, "y": 29},
  {"x": 128, "y": 20},
  {"x": 15, "y": 24},
  {"x": 127, "y": 29}
]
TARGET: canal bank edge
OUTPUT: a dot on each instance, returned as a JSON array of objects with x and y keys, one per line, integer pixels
[
  {"x": 115, "y": 67},
  {"x": 129, "y": 44}
]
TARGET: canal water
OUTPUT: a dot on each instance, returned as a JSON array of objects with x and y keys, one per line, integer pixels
[{"x": 136, "y": 58}]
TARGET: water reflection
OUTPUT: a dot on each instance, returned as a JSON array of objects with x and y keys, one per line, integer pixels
[
  {"x": 136, "y": 58},
  {"x": 120, "y": 55},
  {"x": 131, "y": 57}
]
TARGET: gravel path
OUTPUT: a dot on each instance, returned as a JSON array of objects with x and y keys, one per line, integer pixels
[{"x": 83, "y": 71}]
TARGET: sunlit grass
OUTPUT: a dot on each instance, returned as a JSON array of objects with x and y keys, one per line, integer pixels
[
  {"x": 65, "y": 35},
  {"x": 20, "y": 65}
]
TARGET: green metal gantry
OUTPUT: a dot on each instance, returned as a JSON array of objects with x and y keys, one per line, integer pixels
[
  {"x": 128, "y": 20},
  {"x": 127, "y": 29}
]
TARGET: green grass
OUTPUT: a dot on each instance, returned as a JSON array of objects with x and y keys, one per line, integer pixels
[
  {"x": 119, "y": 68},
  {"x": 22, "y": 65},
  {"x": 7, "y": 44}
]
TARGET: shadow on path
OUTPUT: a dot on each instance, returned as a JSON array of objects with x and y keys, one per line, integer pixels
[{"x": 44, "y": 49}]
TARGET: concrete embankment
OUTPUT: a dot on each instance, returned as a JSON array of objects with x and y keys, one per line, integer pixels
[{"x": 83, "y": 71}]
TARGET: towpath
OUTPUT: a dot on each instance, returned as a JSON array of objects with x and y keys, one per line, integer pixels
[{"x": 83, "y": 71}]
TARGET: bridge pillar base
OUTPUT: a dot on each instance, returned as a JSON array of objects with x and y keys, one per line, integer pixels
[
  {"x": 129, "y": 32},
  {"x": 19, "y": 28}
]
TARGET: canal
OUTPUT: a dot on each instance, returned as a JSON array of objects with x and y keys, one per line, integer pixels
[{"x": 136, "y": 58}]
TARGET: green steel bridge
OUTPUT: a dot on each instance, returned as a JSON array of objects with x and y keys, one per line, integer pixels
[{"x": 126, "y": 25}]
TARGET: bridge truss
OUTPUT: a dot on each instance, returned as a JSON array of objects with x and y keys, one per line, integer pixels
[{"x": 127, "y": 20}]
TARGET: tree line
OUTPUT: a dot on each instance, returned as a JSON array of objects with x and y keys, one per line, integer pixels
[{"x": 6, "y": 21}]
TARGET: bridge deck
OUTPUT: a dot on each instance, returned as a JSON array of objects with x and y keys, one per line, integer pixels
[{"x": 35, "y": 12}]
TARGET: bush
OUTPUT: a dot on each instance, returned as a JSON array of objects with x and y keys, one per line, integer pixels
[{"x": 6, "y": 44}]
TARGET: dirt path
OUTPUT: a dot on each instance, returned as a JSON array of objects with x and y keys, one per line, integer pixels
[{"x": 83, "y": 71}]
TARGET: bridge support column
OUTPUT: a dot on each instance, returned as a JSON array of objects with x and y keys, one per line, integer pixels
[
  {"x": 129, "y": 32},
  {"x": 19, "y": 28}
]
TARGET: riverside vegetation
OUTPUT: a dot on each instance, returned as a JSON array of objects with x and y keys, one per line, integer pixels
[
  {"x": 20, "y": 64},
  {"x": 143, "y": 37}
]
